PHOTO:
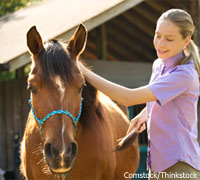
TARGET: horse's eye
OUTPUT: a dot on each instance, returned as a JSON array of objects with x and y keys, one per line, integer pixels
[
  {"x": 81, "y": 88},
  {"x": 32, "y": 89}
]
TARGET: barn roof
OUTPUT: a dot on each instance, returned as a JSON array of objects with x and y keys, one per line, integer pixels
[
  {"x": 53, "y": 19},
  {"x": 118, "y": 29}
]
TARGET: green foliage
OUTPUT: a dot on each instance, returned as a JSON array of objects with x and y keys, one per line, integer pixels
[
  {"x": 7, "y": 6},
  {"x": 27, "y": 69},
  {"x": 5, "y": 76}
]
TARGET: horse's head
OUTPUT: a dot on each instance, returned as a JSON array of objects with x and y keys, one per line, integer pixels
[{"x": 56, "y": 83}]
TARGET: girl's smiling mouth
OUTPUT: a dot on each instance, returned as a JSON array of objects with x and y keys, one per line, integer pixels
[{"x": 162, "y": 52}]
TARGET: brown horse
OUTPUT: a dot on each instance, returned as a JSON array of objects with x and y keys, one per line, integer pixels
[{"x": 56, "y": 146}]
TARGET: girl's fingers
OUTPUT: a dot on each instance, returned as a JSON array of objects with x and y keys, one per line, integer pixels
[
  {"x": 139, "y": 125},
  {"x": 142, "y": 128},
  {"x": 132, "y": 125}
]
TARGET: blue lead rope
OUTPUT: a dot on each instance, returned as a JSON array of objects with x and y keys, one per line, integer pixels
[{"x": 41, "y": 121}]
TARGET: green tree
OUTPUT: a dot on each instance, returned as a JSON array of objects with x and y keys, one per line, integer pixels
[{"x": 7, "y": 6}]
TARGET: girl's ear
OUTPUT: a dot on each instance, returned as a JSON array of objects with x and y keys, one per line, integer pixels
[
  {"x": 76, "y": 44},
  {"x": 187, "y": 40},
  {"x": 34, "y": 41}
]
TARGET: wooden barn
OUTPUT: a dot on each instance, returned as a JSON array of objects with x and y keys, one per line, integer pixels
[{"x": 119, "y": 48}]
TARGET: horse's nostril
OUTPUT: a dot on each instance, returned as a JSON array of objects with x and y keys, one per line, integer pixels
[
  {"x": 72, "y": 150},
  {"x": 50, "y": 151},
  {"x": 69, "y": 149},
  {"x": 47, "y": 149}
]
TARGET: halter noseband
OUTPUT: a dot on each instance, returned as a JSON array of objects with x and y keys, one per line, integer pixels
[{"x": 41, "y": 121}]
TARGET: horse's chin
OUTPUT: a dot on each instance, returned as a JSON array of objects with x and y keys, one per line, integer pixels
[
  {"x": 61, "y": 170},
  {"x": 58, "y": 168}
]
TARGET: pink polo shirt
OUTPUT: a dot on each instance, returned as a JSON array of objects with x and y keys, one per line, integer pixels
[{"x": 172, "y": 120}]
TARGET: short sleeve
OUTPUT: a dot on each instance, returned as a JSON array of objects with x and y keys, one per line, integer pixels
[
  {"x": 156, "y": 63},
  {"x": 171, "y": 85}
]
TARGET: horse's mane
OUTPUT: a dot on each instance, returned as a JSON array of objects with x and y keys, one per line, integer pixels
[
  {"x": 56, "y": 61},
  {"x": 91, "y": 106}
]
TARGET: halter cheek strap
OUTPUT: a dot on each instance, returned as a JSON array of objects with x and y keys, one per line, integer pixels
[{"x": 41, "y": 121}]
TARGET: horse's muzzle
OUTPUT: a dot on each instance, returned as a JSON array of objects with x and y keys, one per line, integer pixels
[{"x": 60, "y": 162}]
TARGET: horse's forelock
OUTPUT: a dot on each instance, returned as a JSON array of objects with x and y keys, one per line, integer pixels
[{"x": 56, "y": 61}]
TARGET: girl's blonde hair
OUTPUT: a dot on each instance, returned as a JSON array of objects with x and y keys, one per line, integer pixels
[{"x": 185, "y": 23}]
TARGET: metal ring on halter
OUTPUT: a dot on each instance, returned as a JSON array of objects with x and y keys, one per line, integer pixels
[{"x": 41, "y": 121}]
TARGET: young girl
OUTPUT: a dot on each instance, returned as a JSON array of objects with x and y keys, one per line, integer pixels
[{"x": 171, "y": 96}]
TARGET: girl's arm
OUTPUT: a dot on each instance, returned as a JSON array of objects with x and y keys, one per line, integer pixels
[{"x": 121, "y": 94}]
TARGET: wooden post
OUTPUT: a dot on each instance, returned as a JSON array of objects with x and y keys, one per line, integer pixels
[
  {"x": 101, "y": 42},
  {"x": 3, "y": 149},
  {"x": 20, "y": 74}
]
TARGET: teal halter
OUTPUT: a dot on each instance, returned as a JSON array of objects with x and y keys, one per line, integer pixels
[{"x": 41, "y": 121}]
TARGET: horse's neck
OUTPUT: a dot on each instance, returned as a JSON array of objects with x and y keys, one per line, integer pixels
[
  {"x": 91, "y": 111},
  {"x": 89, "y": 93}
]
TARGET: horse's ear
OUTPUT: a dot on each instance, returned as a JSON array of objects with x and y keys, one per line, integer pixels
[
  {"x": 76, "y": 44},
  {"x": 34, "y": 41}
]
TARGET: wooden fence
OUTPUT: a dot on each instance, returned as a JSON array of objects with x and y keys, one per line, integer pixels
[{"x": 14, "y": 110}]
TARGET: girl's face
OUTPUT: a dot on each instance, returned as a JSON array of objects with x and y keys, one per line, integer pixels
[{"x": 168, "y": 41}]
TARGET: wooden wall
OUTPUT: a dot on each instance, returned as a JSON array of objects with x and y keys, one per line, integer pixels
[
  {"x": 13, "y": 114},
  {"x": 129, "y": 74}
]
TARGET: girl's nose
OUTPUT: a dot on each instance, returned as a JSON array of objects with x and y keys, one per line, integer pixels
[{"x": 161, "y": 44}]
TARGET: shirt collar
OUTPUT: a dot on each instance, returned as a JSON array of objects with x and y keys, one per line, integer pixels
[{"x": 169, "y": 62}]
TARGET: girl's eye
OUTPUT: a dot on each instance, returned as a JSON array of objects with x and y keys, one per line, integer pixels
[
  {"x": 32, "y": 89},
  {"x": 158, "y": 36}
]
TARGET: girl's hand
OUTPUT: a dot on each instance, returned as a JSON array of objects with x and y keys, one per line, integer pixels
[{"x": 138, "y": 124}]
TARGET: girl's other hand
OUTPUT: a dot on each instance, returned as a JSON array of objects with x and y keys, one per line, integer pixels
[{"x": 137, "y": 123}]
